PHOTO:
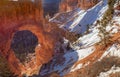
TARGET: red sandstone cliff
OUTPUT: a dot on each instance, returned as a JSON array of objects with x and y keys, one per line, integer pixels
[
  {"x": 85, "y": 4},
  {"x": 68, "y": 5}
]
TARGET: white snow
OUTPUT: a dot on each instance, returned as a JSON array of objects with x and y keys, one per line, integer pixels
[
  {"x": 117, "y": 19},
  {"x": 82, "y": 53},
  {"x": 88, "y": 40},
  {"x": 114, "y": 50},
  {"x": 112, "y": 28},
  {"x": 79, "y": 66},
  {"x": 112, "y": 70}
]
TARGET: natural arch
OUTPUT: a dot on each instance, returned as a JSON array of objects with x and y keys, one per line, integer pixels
[
  {"x": 43, "y": 50},
  {"x": 24, "y": 43}
]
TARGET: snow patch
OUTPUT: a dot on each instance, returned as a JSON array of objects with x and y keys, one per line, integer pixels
[
  {"x": 114, "y": 50},
  {"x": 112, "y": 70}
]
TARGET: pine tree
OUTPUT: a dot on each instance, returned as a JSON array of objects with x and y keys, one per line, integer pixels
[{"x": 103, "y": 34}]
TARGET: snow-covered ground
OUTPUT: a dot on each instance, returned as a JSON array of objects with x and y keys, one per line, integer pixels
[
  {"x": 87, "y": 18},
  {"x": 84, "y": 46}
]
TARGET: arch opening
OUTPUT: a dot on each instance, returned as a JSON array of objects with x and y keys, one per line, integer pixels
[{"x": 23, "y": 44}]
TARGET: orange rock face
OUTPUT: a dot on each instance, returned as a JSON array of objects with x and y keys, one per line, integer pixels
[
  {"x": 85, "y": 4},
  {"x": 68, "y": 5}
]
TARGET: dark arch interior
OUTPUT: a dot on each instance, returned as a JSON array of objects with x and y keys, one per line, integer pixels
[{"x": 23, "y": 43}]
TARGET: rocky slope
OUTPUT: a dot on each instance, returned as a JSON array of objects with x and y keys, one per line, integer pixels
[
  {"x": 55, "y": 54},
  {"x": 86, "y": 50}
]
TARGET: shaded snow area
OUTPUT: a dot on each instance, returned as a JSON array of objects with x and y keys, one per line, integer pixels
[
  {"x": 116, "y": 19},
  {"x": 81, "y": 23},
  {"x": 62, "y": 63},
  {"x": 81, "y": 19},
  {"x": 112, "y": 70},
  {"x": 62, "y": 18}
]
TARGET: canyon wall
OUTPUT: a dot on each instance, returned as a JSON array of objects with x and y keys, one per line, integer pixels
[
  {"x": 68, "y": 5},
  {"x": 85, "y": 4}
]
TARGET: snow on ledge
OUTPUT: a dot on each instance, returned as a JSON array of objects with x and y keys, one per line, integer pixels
[
  {"x": 83, "y": 53},
  {"x": 112, "y": 70},
  {"x": 114, "y": 50}
]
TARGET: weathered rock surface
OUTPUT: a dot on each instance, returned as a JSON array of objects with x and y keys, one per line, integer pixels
[{"x": 68, "y": 5}]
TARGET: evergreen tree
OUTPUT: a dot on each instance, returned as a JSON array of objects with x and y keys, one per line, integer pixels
[{"x": 103, "y": 34}]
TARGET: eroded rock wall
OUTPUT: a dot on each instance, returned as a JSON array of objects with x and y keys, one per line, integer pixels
[{"x": 68, "y": 5}]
